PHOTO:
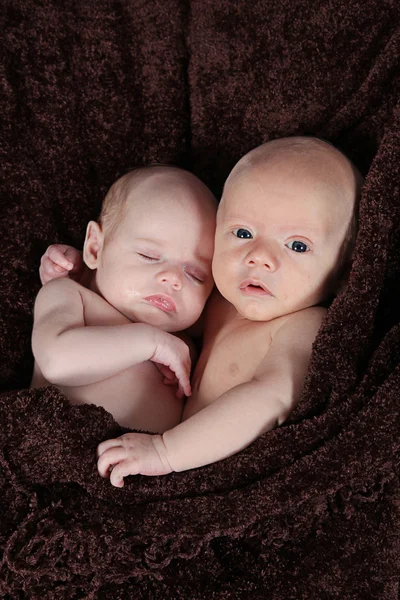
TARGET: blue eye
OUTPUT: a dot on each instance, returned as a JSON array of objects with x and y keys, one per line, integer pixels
[
  {"x": 297, "y": 246},
  {"x": 243, "y": 234}
]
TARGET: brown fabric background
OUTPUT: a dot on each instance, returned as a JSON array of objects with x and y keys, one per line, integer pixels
[{"x": 89, "y": 89}]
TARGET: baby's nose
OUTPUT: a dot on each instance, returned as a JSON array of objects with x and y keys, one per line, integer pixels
[
  {"x": 171, "y": 276},
  {"x": 262, "y": 257}
]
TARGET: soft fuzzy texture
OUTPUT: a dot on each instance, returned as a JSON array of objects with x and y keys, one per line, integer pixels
[{"x": 308, "y": 511}]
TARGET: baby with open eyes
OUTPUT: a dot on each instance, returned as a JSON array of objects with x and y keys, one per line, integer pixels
[{"x": 285, "y": 232}]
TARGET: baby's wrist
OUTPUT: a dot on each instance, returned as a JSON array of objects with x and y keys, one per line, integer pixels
[
  {"x": 146, "y": 337},
  {"x": 162, "y": 452},
  {"x": 159, "y": 340}
]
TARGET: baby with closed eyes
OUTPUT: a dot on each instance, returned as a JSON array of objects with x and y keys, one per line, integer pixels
[
  {"x": 285, "y": 232},
  {"x": 113, "y": 339}
]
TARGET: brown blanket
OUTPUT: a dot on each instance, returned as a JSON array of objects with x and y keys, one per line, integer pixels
[{"x": 308, "y": 511}]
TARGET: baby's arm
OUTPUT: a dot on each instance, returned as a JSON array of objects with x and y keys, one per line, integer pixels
[
  {"x": 71, "y": 354},
  {"x": 60, "y": 261},
  {"x": 230, "y": 423}
]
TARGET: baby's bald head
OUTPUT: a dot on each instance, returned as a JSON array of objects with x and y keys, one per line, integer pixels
[
  {"x": 137, "y": 188},
  {"x": 310, "y": 162},
  {"x": 304, "y": 155}
]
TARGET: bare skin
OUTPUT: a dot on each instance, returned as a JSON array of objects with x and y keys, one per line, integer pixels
[
  {"x": 114, "y": 341},
  {"x": 281, "y": 227}
]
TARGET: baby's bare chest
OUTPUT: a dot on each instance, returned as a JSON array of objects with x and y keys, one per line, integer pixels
[{"x": 227, "y": 360}]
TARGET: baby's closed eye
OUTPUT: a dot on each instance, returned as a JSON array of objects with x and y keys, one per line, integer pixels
[{"x": 149, "y": 257}]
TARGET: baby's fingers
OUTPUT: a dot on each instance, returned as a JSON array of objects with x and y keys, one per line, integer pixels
[
  {"x": 166, "y": 371},
  {"x": 75, "y": 258},
  {"x": 182, "y": 372},
  {"x": 180, "y": 394},
  {"x": 184, "y": 388},
  {"x": 121, "y": 470},
  {"x": 170, "y": 381},
  {"x": 107, "y": 444},
  {"x": 58, "y": 255},
  {"x": 48, "y": 270},
  {"x": 109, "y": 459}
]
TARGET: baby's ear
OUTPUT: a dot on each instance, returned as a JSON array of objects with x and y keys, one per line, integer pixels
[{"x": 93, "y": 244}]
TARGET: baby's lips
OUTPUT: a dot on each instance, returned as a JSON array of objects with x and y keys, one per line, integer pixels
[{"x": 163, "y": 302}]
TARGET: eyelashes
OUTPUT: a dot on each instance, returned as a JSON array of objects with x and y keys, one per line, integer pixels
[
  {"x": 147, "y": 257},
  {"x": 297, "y": 246},
  {"x": 242, "y": 233},
  {"x": 198, "y": 278}
]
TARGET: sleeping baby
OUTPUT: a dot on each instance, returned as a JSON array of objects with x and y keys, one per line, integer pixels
[
  {"x": 108, "y": 339},
  {"x": 286, "y": 228}
]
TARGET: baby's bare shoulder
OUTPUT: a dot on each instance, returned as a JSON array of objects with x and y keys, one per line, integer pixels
[
  {"x": 306, "y": 321},
  {"x": 308, "y": 316},
  {"x": 62, "y": 284},
  {"x": 58, "y": 295},
  {"x": 291, "y": 347},
  {"x": 58, "y": 288},
  {"x": 96, "y": 309}
]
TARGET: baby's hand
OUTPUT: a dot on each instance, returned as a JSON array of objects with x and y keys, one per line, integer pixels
[
  {"x": 60, "y": 260},
  {"x": 169, "y": 377},
  {"x": 132, "y": 454},
  {"x": 172, "y": 358}
]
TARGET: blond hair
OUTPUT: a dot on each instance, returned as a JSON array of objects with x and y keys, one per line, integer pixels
[
  {"x": 113, "y": 207},
  {"x": 114, "y": 204}
]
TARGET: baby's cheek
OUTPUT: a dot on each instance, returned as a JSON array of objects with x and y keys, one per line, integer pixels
[
  {"x": 131, "y": 293},
  {"x": 197, "y": 303},
  {"x": 220, "y": 270}
]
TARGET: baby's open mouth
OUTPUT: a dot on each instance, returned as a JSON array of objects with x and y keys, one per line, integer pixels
[{"x": 254, "y": 288}]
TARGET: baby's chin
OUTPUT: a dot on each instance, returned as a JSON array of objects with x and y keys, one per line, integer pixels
[{"x": 255, "y": 311}]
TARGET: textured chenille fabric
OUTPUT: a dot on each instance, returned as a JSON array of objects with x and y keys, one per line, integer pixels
[{"x": 309, "y": 511}]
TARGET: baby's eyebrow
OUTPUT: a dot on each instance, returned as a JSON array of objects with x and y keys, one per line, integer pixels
[
  {"x": 289, "y": 229},
  {"x": 149, "y": 241},
  {"x": 235, "y": 218},
  {"x": 303, "y": 231}
]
